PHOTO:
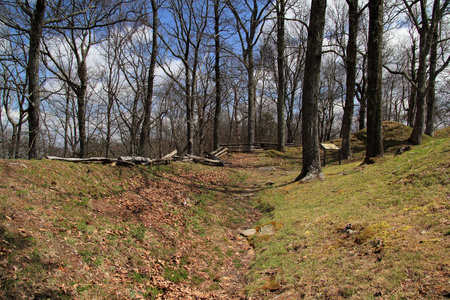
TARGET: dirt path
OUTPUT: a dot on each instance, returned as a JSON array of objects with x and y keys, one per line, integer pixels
[{"x": 234, "y": 276}]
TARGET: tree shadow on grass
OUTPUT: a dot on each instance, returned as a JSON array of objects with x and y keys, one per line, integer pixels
[
  {"x": 14, "y": 257},
  {"x": 223, "y": 188}
]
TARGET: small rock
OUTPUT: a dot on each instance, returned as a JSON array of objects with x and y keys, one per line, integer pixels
[
  {"x": 402, "y": 150},
  {"x": 267, "y": 230},
  {"x": 248, "y": 232},
  {"x": 423, "y": 232},
  {"x": 269, "y": 272},
  {"x": 267, "y": 169}
]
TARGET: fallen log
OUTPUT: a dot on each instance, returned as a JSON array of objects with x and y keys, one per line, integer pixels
[
  {"x": 135, "y": 159},
  {"x": 125, "y": 163},
  {"x": 220, "y": 152},
  {"x": 206, "y": 161},
  {"x": 170, "y": 155},
  {"x": 105, "y": 160},
  {"x": 166, "y": 159},
  {"x": 214, "y": 152},
  {"x": 212, "y": 160},
  {"x": 215, "y": 157},
  {"x": 90, "y": 159}
]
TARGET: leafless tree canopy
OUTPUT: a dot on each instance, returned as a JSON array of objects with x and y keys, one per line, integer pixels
[{"x": 127, "y": 78}]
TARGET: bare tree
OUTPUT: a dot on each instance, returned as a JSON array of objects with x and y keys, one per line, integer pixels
[
  {"x": 218, "y": 82},
  {"x": 145, "y": 131},
  {"x": 350, "y": 63},
  {"x": 296, "y": 45},
  {"x": 134, "y": 66},
  {"x": 374, "y": 144},
  {"x": 427, "y": 28},
  {"x": 281, "y": 45},
  {"x": 111, "y": 78},
  {"x": 332, "y": 92},
  {"x": 311, "y": 168},
  {"x": 413, "y": 79},
  {"x": 250, "y": 18},
  {"x": 77, "y": 31},
  {"x": 32, "y": 18},
  {"x": 13, "y": 90},
  {"x": 183, "y": 41},
  {"x": 437, "y": 40},
  {"x": 29, "y": 19}
]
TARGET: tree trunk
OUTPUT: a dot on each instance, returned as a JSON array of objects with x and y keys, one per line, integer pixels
[
  {"x": 66, "y": 122},
  {"x": 81, "y": 112},
  {"x": 251, "y": 100},
  {"x": 34, "y": 102},
  {"x": 362, "y": 110},
  {"x": 431, "y": 97},
  {"x": 310, "y": 139},
  {"x": 427, "y": 36},
  {"x": 290, "y": 120},
  {"x": 145, "y": 131},
  {"x": 19, "y": 135},
  {"x": 351, "y": 78},
  {"x": 374, "y": 146},
  {"x": 419, "y": 120},
  {"x": 218, "y": 104},
  {"x": 189, "y": 109},
  {"x": 108, "y": 121},
  {"x": 281, "y": 79},
  {"x": 413, "y": 93}
]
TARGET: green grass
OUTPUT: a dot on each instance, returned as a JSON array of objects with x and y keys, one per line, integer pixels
[{"x": 397, "y": 210}]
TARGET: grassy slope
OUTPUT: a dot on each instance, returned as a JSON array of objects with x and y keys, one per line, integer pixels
[
  {"x": 92, "y": 231},
  {"x": 366, "y": 232}
]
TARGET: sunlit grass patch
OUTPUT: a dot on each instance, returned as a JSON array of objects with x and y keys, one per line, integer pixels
[{"x": 360, "y": 232}]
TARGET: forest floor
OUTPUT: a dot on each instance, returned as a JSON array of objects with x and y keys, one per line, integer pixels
[{"x": 92, "y": 231}]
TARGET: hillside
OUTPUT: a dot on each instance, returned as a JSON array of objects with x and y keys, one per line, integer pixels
[
  {"x": 366, "y": 232},
  {"x": 83, "y": 231},
  {"x": 98, "y": 231}
]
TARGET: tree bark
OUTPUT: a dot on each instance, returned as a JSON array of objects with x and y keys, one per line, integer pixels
[
  {"x": 218, "y": 90},
  {"x": 144, "y": 138},
  {"x": 281, "y": 11},
  {"x": 251, "y": 99},
  {"x": 427, "y": 36},
  {"x": 431, "y": 95},
  {"x": 419, "y": 120},
  {"x": 361, "y": 95},
  {"x": 81, "y": 111},
  {"x": 351, "y": 78},
  {"x": 374, "y": 146},
  {"x": 34, "y": 102},
  {"x": 311, "y": 168},
  {"x": 413, "y": 93}
]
